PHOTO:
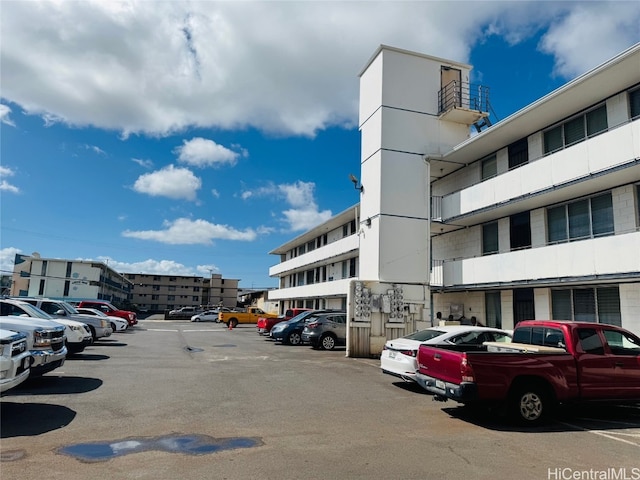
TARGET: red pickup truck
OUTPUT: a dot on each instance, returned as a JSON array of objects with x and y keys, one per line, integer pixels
[
  {"x": 265, "y": 324},
  {"x": 548, "y": 363}
]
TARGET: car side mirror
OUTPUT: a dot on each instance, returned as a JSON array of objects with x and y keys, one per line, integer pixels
[{"x": 60, "y": 313}]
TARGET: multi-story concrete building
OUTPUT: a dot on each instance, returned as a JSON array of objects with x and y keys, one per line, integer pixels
[
  {"x": 70, "y": 280},
  {"x": 536, "y": 216},
  {"x": 76, "y": 280},
  {"x": 157, "y": 293}
]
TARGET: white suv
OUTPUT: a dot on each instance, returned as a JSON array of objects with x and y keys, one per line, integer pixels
[
  {"x": 78, "y": 333},
  {"x": 15, "y": 359}
]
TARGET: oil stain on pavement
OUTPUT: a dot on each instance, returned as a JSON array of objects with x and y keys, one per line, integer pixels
[{"x": 185, "y": 444}]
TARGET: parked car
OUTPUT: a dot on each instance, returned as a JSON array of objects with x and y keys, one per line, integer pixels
[
  {"x": 289, "y": 332},
  {"x": 60, "y": 309},
  {"x": 109, "y": 309},
  {"x": 398, "y": 356},
  {"x": 265, "y": 324},
  {"x": 326, "y": 330},
  {"x": 45, "y": 341},
  {"x": 78, "y": 335},
  {"x": 117, "y": 324},
  {"x": 548, "y": 363},
  {"x": 206, "y": 316},
  {"x": 15, "y": 359},
  {"x": 249, "y": 315},
  {"x": 184, "y": 312}
]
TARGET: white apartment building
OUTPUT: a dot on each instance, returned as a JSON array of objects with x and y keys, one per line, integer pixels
[
  {"x": 536, "y": 216},
  {"x": 69, "y": 280}
]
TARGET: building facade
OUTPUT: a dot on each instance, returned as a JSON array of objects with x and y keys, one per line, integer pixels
[
  {"x": 157, "y": 293},
  {"x": 536, "y": 216},
  {"x": 70, "y": 280},
  {"x": 75, "y": 280}
]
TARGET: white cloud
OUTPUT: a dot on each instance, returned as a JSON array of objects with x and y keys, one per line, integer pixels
[
  {"x": 591, "y": 33},
  {"x": 7, "y": 258},
  {"x": 95, "y": 149},
  {"x": 143, "y": 163},
  {"x": 304, "y": 213},
  {"x": 158, "y": 267},
  {"x": 185, "y": 231},
  {"x": 201, "y": 152},
  {"x": 280, "y": 67},
  {"x": 5, "y": 186},
  {"x": 171, "y": 182},
  {"x": 4, "y": 115}
]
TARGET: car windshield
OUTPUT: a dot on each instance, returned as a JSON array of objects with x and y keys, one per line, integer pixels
[
  {"x": 424, "y": 335},
  {"x": 69, "y": 309},
  {"x": 35, "y": 311},
  {"x": 92, "y": 311}
]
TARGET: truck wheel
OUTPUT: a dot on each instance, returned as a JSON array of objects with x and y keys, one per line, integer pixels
[
  {"x": 294, "y": 338},
  {"x": 233, "y": 322},
  {"x": 530, "y": 405},
  {"x": 93, "y": 333},
  {"x": 328, "y": 342}
]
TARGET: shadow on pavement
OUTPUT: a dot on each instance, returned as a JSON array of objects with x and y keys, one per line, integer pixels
[
  {"x": 49, "y": 385},
  {"x": 28, "y": 419}
]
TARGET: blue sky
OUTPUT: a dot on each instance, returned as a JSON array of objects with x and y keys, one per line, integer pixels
[{"x": 195, "y": 137}]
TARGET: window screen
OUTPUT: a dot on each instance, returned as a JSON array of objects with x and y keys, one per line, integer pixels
[
  {"x": 579, "y": 225},
  {"x": 609, "y": 305},
  {"x": 574, "y": 131},
  {"x": 557, "y": 224},
  {"x": 553, "y": 139},
  {"x": 561, "y": 305},
  {"x": 489, "y": 238},
  {"x": 597, "y": 120},
  {"x": 602, "y": 214},
  {"x": 518, "y": 153},
  {"x": 489, "y": 168},
  {"x": 634, "y": 103}
]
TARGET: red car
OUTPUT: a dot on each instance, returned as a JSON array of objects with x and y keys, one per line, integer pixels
[
  {"x": 265, "y": 325},
  {"x": 109, "y": 309}
]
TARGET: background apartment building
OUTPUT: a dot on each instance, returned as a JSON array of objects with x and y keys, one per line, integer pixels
[
  {"x": 75, "y": 280},
  {"x": 537, "y": 216},
  {"x": 70, "y": 280},
  {"x": 158, "y": 293}
]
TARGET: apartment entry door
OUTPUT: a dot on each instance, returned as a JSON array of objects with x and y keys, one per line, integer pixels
[{"x": 523, "y": 308}]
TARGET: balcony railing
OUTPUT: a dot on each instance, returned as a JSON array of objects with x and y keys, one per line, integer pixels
[{"x": 463, "y": 95}]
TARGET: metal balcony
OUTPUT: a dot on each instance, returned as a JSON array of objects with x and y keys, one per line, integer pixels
[{"x": 465, "y": 103}]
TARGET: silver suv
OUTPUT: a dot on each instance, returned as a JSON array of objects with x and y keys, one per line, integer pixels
[
  {"x": 58, "y": 308},
  {"x": 325, "y": 330}
]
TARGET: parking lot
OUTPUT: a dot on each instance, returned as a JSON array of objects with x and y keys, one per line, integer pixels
[{"x": 174, "y": 399}]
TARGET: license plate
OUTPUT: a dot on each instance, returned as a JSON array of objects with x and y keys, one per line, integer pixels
[{"x": 440, "y": 384}]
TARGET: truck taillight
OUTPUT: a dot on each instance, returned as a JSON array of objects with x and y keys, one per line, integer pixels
[{"x": 466, "y": 372}]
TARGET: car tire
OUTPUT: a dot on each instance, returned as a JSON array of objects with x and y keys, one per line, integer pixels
[
  {"x": 327, "y": 342},
  {"x": 93, "y": 333},
  {"x": 294, "y": 338},
  {"x": 113, "y": 327},
  {"x": 530, "y": 404}
]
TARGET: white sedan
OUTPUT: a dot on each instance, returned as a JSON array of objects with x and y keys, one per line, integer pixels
[
  {"x": 399, "y": 355},
  {"x": 206, "y": 316},
  {"x": 117, "y": 324}
]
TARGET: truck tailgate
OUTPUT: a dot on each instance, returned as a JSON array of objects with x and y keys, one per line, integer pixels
[{"x": 440, "y": 364}]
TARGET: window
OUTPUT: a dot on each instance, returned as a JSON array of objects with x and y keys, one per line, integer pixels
[
  {"x": 520, "y": 230},
  {"x": 41, "y": 288},
  {"x": 599, "y": 304},
  {"x": 490, "y": 238},
  {"x": 576, "y": 129},
  {"x": 493, "y": 309},
  {"x": 172, "y": 288},
  {"x": 172, "y": 279},
  {"x": 592, "y": 217},
  {"x": 621, "y": 343},
  {"x": 171, "y": 298},
  {"x": 518, "y": 153},
  {"x": 155, "y": 288},
  {"x": 634, "y": 103},
  {"x": 489, "y": 167},
  {"x": 155, "y": 297},
  {"x": 352, "y": 267},
  {"x": 590, "y": 341}
]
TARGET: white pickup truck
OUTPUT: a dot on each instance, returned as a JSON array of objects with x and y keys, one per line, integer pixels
[
  {"x": 45, "y": 341},
  {"x": 15, "y": 359}
]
